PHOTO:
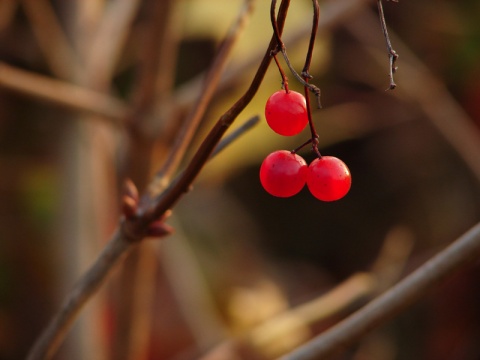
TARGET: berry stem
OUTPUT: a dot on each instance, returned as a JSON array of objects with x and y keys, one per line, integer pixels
[
  {"x": 281, "y": 48},
  {"x": 306, "y": 77},
  {"x": 297, "y": 149},
  {"x": 311, "y": 45},
  {"x": 282, "y": 73}
]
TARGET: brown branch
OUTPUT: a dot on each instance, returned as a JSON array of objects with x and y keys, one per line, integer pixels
[
  {"x": 107, "y": 43},
  {"x": 192, "y": 121},
  {"x": 306, "y": 76},
  {"x": 53, "y": 42},
  {"x": 458, "y": 255},
  {"x": 61, "y": 93},
  {"x": 157, "y": 59}
]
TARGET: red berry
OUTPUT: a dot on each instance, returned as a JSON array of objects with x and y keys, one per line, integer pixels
[
  {"x": 286, "y": 112},
  {"x": 283, "y": 173},
  {"x": 328, "y": 178}
]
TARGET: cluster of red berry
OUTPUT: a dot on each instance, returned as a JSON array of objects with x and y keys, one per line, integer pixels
[{"x": 284, "y": 173}]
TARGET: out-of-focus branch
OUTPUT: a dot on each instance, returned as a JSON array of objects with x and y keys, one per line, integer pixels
[
  {"x": 108, "y": 42},
  {"x": 156, "y": 67},
  {"x": 61, "y": 93},
  {"x": 53, "y": 42},
  {"x": 461, "y": 253}
]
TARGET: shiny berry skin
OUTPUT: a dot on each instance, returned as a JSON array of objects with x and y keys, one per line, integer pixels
[
  {"x": 286, "y": 113},
  {"x": 283, "y": 174},
  {"x": 328, "y": 178}
]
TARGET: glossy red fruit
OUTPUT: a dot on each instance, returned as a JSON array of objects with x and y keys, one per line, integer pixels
[
  {"x": 286, "y": 113},
  {"x": 328, "y": 178},
  {"x": 283, "y": 174}
]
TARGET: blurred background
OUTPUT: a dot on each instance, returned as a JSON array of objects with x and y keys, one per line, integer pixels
[{"x": 95, "y": 91}]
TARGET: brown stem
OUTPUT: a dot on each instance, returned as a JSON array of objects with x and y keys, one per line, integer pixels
[
  {"x": 392, "y": 54},
  {"x": 281, "y": 48},
  {"x": 227, "y": 140},
  {"x": 282, "y": 73},
  {"x": 306, "y": 76},
  {"x": 313, "y": 34}
]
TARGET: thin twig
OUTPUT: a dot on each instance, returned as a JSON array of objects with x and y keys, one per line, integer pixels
[
  {"x": 234, "y": 135},
  {"x": 311, "y": 43},
  {"x": 306, "y": 76},
  {"x": 282, "y": 72},
  {"x": 461, "y": 253},
  {"x": 392, "y": 54},
  {"x": 157, "y": 60}
]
